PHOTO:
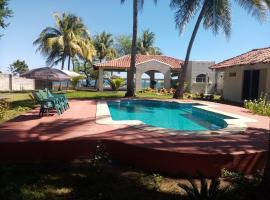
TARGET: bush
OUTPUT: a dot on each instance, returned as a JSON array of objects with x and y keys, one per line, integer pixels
[
  {"x": 260, "y": 106},
  {"x": 116, "y": 83},
  {"x": 75, "y": 81},
  {"x": 3, "y": 108}
]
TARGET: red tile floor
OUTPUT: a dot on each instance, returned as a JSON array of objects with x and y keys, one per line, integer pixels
[{"x": 74, "y": 135}]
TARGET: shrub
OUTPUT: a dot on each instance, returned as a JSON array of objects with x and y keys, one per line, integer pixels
[
  {"x": 260, "y": 106},
  {"x": 204, "y": 191},
  {"x": 3, "y": 108},
  {"x": 116, "y": 83},
  {"x": 100, "y": 159},
  {"x": 75, "y": 81}
]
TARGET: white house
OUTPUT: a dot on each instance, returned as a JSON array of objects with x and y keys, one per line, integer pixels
[{"x": 246, "y": 76}]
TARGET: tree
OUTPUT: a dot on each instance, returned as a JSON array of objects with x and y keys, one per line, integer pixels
[
  {"x": 5, "y": 13},
  {"x": 215, "y": 15},
  {"x": 18, "y": 67},
  {"x": 137, "y": 5},
  {"x": 103, "y": 43},
  {"x": 123, "y": 45},
  {"x": 65, "y": 40},
  {"x": 146, "y": 44}
]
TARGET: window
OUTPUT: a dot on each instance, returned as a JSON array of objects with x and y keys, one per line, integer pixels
[
  {"x": 201, "y": 78},
  {"x": 232, "y": 74}
]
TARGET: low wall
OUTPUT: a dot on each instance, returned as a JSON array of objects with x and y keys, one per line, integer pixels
[{"x": 15, "y": 83}]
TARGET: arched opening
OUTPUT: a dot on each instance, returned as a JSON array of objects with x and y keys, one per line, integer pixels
[
  {"x": 201, "y": 78},
  {"x": 152, "y": 79}
]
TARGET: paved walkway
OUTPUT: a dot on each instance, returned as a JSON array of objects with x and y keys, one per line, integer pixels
[{"x": 75, "y": 134}]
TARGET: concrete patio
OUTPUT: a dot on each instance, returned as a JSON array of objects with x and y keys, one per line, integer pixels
[{"x": 75, "y": 134}]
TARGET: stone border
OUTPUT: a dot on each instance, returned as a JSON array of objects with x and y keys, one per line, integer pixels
[{"x": 235, "y": 125}]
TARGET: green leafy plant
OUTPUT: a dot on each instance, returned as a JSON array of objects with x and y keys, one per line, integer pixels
[
  {"x": 100, "y": 159},
  {"x": 260, "y": 106},
  {"x": 204, "y": 190},
  {"x": 75, "y": 81},
  {"x": 116, "y": 83},
  {"x": 3, "y": 108}
]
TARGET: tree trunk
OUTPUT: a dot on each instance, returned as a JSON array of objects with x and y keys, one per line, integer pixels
[
  {"x": 63, "y": 62},
  {"x": 179, "y": 93},
  {"x": 69, "y": 63},
  {"x": 264, "y": 192},
  {"x": 130, "y": 74}
]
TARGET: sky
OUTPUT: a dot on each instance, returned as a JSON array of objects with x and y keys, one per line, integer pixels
[{"x": 31, "y": 16}]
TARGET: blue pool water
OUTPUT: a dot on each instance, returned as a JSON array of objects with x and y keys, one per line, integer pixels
[{"x": 170, "y": 115}]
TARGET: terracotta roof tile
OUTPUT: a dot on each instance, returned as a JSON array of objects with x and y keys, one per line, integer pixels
[
  {"x": 252, "y": 57},
  {"x": 124, "y": 61}
]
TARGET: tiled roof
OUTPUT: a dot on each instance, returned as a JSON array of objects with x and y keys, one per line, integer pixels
[
  {"x": 252, "y": 57},
  {"x": 124, "y": 61}
]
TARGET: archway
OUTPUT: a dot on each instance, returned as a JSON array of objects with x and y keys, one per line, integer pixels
[{"x": 152, "y": 79}]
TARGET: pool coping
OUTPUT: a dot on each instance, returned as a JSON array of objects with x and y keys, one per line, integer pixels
[{"x": 235, "y": 125}]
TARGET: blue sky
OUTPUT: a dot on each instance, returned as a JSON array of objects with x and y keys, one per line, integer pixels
[{"x": 31, "y": 16}]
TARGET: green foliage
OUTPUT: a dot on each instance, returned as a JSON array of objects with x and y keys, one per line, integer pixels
[
  {"x": 205, "y": 190},
  {"x": 18, "y": 67},
  {"x": 67, "y": 39},
  {"x": 145, "y": 44},
  {"x": 103, "y": 43},
  {"x": 123, "y": 45},
  {"x": 260, "y": 106},
  {"x": 116, "y": 83},
  {"x": 5, "y": 13},
  {"x": 100, "y": 160},
  {"x": 3, "y": 108},
  {"x": 75, "y": 80}
]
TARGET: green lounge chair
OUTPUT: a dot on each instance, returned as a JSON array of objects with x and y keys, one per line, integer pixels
[
  {"x": 57, "y": 100},
  {"x": 62, "y": 97},
  {"x": 46, "y": 104}
]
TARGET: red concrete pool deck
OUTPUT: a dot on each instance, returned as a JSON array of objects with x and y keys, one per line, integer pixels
[{"x": 75, "y": 133}]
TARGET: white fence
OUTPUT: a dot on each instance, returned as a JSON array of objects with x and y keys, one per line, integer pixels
[{"x": 15, "y": 83}]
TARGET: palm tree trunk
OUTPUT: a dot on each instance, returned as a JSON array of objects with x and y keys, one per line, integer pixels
[
  {"x": 69, "y": 63},
  {"x": 179, "y": 93},
  {"x": 263, "y": 193},
  {"x": 130, "y": 74},
  {"x": 63, "y": 62}
]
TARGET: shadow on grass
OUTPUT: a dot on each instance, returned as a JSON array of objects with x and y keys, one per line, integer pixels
[{"x": 68, "y": 182}]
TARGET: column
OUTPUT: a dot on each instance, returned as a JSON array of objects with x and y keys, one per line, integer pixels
[
  {"x": 100, "y": 79},
  {"x": 167, "y": 79},
  {"x": 138, "y": 78}
]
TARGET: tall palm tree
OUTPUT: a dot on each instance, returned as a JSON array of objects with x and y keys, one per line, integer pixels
[
  {"x": 146, "y": 44},
  {"x": 62, "y": 41},
  {"x": 137, "y": 5},
  {"x": 215, "y": 15},
  {"x": 104, "y": 46}
]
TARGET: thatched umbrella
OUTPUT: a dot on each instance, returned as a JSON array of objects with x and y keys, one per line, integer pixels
[{"x": 46, "y": 74}]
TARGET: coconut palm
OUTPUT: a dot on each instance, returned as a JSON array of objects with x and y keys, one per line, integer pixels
[
  {"x": 62, "y": 41},
  {"x": 146, "y": 44},
  {"x": 215, "y": 15},
  {"x": 103, "y": 43},
  {"x": 137, "y": 5}
]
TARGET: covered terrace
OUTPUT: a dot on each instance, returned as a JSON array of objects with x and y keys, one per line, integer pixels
[{"x": 149, "y": 64}]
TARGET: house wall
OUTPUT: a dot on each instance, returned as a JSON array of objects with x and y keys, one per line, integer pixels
[
  {"x": 200, "y": 67},
  {"x": 233, "y": 85},
  {"x": 15, "y": 83},
  {"x": 153, "y": 66}
]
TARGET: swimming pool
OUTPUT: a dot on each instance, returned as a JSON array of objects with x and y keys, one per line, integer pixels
[{"x": 168, "y": 115}]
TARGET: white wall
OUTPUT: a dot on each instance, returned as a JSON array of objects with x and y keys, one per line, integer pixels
[
  {"x": 233, "y": 86},
  {"x": 15, "y": 83},
  {"x": 200, "y": 67}
]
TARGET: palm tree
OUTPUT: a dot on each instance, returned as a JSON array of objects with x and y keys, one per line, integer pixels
[
  {"x": 137, "y": 5},
  {"x": 146, "y": 44},
  {"x": 62, "y": 41},
  {"x": 103, "y": 43},
  {"x": 216, "y": 15}
]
